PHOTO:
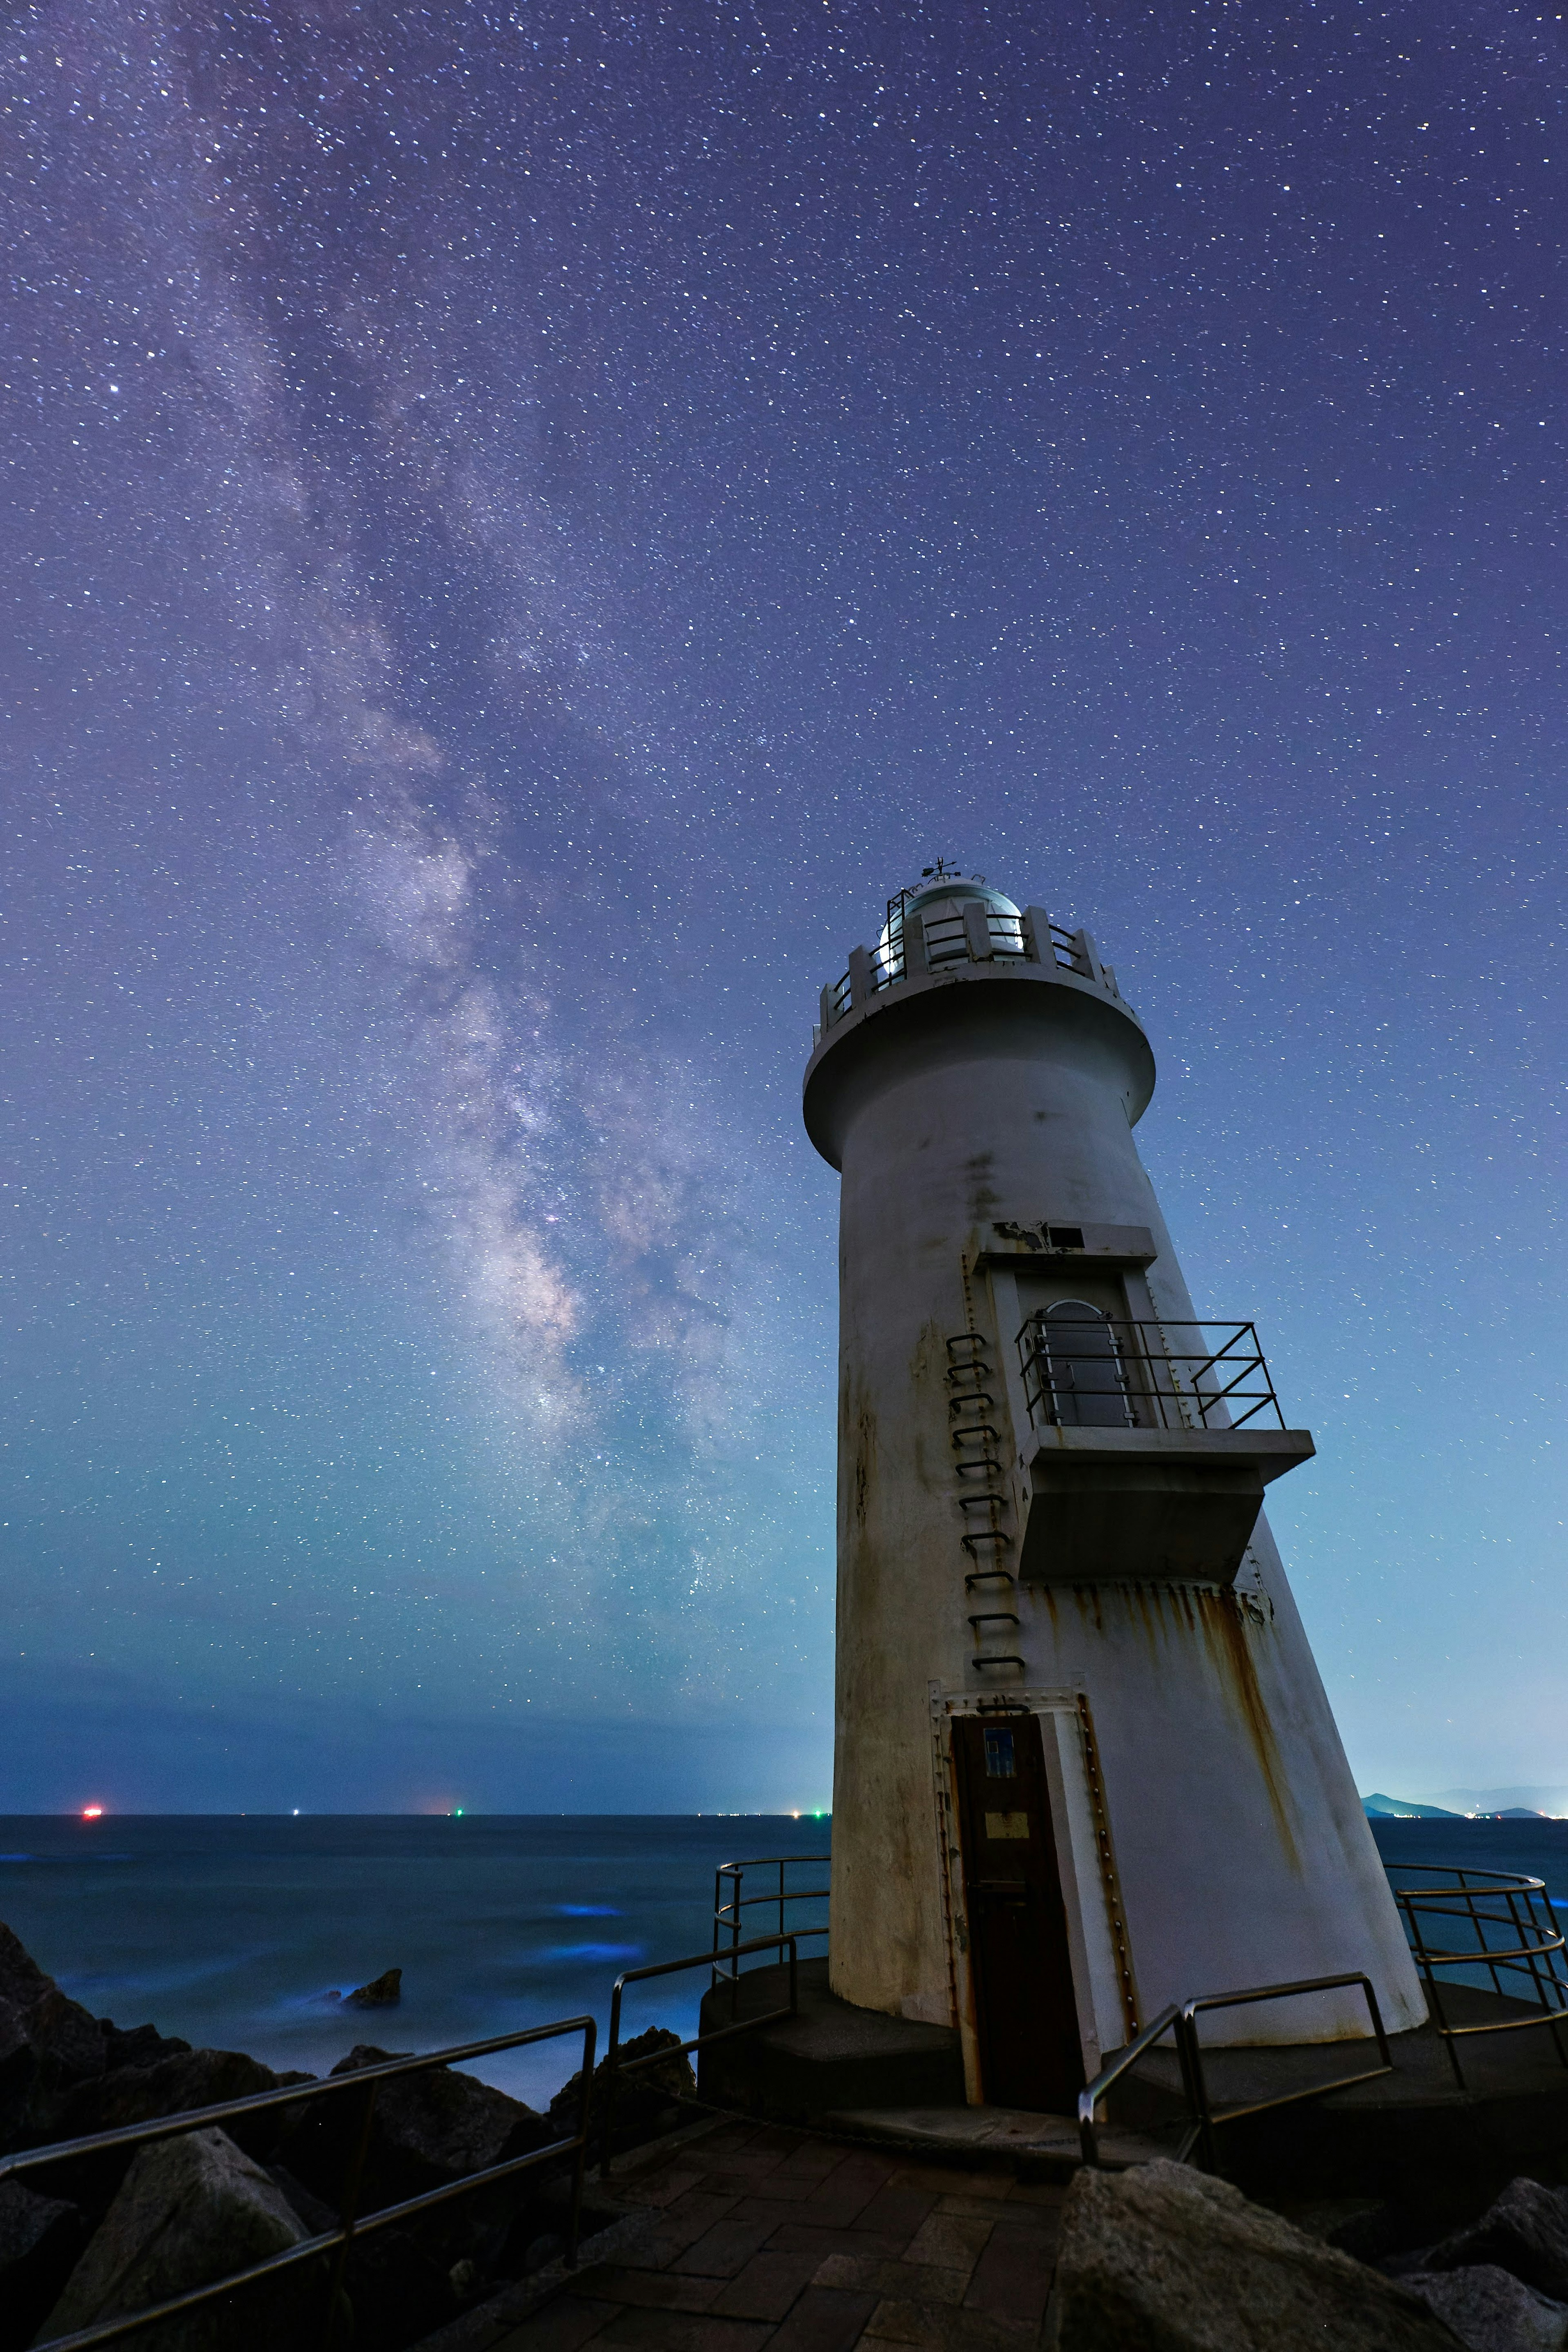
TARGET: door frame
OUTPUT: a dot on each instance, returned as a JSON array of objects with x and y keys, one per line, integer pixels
[{"x": 1104, "y": 1987}]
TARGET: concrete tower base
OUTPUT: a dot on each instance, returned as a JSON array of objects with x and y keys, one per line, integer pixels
[{"x": 1412, "y": 2136}]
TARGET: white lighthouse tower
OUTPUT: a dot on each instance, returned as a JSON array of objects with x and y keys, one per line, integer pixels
[{"x": 1084, "y": 1765}]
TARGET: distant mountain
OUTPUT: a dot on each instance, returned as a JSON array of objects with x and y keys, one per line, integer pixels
[
  {"x": 1552, "y": 1803},
  {"x": 1400, "y": 1809}
]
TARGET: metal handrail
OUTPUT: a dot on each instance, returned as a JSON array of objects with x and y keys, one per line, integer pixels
[
  {"x": 1091, "y": 2095},
  {"x": 1207, "y": 2116},
  {"x": 1153, "y": 1382},
  {"x": 1181, "y": 2018},
  {"x": 1536, "y": 1951},
  {"x": 366, "y": 2080},
  {"x": 613, "y": 2065},
  {"x": 726, "y": 1915}
]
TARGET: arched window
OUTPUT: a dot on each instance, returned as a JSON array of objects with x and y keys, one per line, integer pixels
[{"x": 1085, "y": 1374}]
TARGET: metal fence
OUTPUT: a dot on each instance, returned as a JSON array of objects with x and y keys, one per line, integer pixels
[
  {"x": 362, "y": 2086},
  {"x": 616, "y": 2066},
  {"x": 1180, "y": 2020},
  {"x": 729, "y": 1899},
  {"x": 1479, "y": 1928},
  {"x": 1086, "y": 1369}
]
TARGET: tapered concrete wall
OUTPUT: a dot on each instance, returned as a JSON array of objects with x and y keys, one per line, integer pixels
[{"x": 1210, "y": 1832}]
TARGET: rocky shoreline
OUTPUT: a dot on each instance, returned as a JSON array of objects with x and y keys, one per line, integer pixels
[
  {"x": 1158, "y": 2256},
  {"x": 97, "y": 2236}
]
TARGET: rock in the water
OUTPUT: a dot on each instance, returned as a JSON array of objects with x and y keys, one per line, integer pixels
[
  {"x": 47, "y": 2042},
  {"x": 1526, "y": 2232},
  {"x": 385, "y": 1991},
  {"x": 40, "y": 2238},
  {"x": 1491, "y": 2310},
  {"x": 642, "y": 2100},
  {"x": 188, "y": 2211},
  {"x": 1163, "y": 2259}
]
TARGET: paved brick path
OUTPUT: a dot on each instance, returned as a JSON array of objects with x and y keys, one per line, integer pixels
[{"x": 761, "y": 2236}]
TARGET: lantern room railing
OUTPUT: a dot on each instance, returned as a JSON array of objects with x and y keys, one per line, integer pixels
[
  {"x": 924, "y": 944},
  {"x": 1099, "y": 1371}
]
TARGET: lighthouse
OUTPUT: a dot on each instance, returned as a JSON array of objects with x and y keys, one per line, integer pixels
[{"x": 1084, "y": 1765}]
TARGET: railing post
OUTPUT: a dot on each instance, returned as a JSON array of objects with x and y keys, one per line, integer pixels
[
  {"x": 860, "y": 977},
  {"x": 735, "y": 1942},
  {"x": 1037, "y": 935},
  {"x": 977, "y": 931},
  {"x": 825, "y": 1009},
  {"x": 611, "y": 2079},
  {"x": 348, "y": 2214},
  {"x": 917, "y": 962},
  {"x": 1085, "y": 958},
  {"x": 580, "y": 2164}
]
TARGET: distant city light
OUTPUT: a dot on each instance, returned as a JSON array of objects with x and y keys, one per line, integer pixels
[{"x": 92, "y": 1813}]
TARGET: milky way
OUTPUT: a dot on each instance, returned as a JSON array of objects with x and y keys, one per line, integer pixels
[{"x": 524, "y": 527}]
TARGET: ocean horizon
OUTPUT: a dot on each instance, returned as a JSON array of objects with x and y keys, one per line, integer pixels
[{"x": 233, "y": 1930}]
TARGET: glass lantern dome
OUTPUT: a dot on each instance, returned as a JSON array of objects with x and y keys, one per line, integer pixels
[{"x": 941, "y": 899}]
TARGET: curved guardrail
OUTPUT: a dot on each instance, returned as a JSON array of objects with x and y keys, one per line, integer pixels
[{"x": 1494, "y": 1923}]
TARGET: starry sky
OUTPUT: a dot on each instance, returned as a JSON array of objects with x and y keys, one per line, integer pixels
[{"x": 522, "y": 526}]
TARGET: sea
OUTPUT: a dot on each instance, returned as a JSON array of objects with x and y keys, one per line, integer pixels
[{"x": 236, "y": 1931}]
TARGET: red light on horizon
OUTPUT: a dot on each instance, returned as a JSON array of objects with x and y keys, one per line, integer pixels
[{"x": 92, "y": 1813}]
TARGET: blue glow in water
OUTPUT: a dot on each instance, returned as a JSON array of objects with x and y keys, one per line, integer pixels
[
  {"x": 229, "y": 1931},
  {"x": 15, "y": 1857},
  {"x": 571, "y": 1952}
]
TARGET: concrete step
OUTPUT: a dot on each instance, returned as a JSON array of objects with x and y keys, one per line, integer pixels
[{"x": 1043, "y": 2147}]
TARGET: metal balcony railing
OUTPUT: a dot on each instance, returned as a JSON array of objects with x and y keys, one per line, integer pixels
[
  {"x": 973, "y": 934},
  {"x": 1087, "y": 1371}
]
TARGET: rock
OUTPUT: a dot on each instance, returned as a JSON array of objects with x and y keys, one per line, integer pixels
[
  {"x": 316, "y": 2214},
  {"x": 1163, "y": 2259},
  {"x": 188, "y": 2211},
  {"x": 382, "y": 1992},
  {"x": 137, "y": 2094},
  {"x": 1526, "y": 2232},
  {"x": 143, "y": 2046},
  {"x": 40, "y": 2238},
  {"x": 642, "y": 2101},
  {"x": 47, "y": 2042},
  {"x": 1491, "y": 2310},
  {"x": 430, "y": 2128}
]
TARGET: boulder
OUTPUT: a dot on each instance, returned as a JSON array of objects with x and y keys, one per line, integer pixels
[
  {"x": 138, "y": 2095},
  {"x": 40, "y": 2238},
  {"x": 47, "y": 2042},
  {"x": 190, "y": 2210},
  {"x": 1163, "y": 2259},
  {"x": 1492, "y": 2311},
  {"x": 385, "y": 1991},
  {"x": 139, "y": 2046},
  {"x": 1526, "y": 2232},
  {"x": 430, "y": 2128},
  {"x": 642, "y": 2101}
]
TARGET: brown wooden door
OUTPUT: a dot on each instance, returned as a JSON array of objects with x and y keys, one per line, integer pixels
[{"x": 1030, "y": 2055}]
